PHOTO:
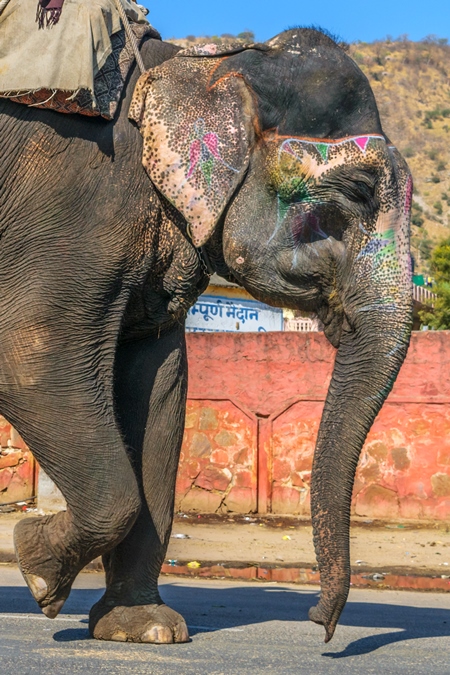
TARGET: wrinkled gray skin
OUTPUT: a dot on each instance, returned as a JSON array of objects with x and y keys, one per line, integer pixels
[{"x": 97, "y": 274}]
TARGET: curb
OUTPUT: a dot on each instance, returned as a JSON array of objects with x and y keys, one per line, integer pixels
[
  {"x": 397, "y": 579},
  {"x": 400, "y": 579}
]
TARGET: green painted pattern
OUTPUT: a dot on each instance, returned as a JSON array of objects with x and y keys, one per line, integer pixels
[{"x": 294, "y": 189}]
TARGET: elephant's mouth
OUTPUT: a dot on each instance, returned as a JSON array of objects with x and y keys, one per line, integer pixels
[{"x": 332, "y": 315}]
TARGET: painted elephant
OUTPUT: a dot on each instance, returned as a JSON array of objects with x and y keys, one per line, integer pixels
[{"x": 267, "y": 164}]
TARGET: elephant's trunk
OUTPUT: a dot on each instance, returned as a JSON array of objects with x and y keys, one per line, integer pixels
[
  {"x": 368, "y": 359},
  {"x": 362, "y": 378}
]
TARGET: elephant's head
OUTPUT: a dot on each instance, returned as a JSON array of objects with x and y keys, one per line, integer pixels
[{"x": 276, "y": 158}]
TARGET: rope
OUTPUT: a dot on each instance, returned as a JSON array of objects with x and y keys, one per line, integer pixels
[
  {"x": 131, "y": 36},
  {"x": 3, "y": 4}
]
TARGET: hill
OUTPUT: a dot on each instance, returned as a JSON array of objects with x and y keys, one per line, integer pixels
[{"x": 411, "y": 83}]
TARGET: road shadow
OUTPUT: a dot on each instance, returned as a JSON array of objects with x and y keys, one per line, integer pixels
[
  {"x": 408, "y": 622},
  {"x": 243, "y": 605},
  {"x": 18, "y": 600},
  {"x": 212, "y": 608}
]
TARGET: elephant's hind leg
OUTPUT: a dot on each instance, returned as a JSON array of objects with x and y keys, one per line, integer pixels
[
  {"x": 150, "y": 399},
  {"x": 78, "y": 445}
]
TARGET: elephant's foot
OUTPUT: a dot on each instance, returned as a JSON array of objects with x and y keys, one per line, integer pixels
[
  {"x": 157, "y": 624},
  {"x": 48, "y": 579}
]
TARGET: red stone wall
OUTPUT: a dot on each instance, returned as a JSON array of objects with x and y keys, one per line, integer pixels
[
  {"x": 254, "y": 407},
  {"x": 17, "y": 466}
]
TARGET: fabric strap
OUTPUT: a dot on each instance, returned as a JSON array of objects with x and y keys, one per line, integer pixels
[{"x": 48, "y": 12}]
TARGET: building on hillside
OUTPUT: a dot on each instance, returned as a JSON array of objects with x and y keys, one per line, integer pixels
[
  {"x": 226, "y": 307},
  {"x": 423, "y": 298},
  {"x": 302, "y": 324}
]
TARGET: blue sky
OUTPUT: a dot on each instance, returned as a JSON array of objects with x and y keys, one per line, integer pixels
[{"x": 350, "y": 19}]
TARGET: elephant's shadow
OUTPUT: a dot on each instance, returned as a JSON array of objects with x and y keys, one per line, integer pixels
[{"x": 211, "y": 608}]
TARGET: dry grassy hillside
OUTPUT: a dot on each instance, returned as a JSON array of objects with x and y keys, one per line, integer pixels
[{"x": 411, "y": 82}]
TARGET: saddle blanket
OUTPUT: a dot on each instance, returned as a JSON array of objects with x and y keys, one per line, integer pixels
[{"x": 77, "y": 65}]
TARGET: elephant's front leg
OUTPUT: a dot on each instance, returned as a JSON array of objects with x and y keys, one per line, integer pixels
[
  {"x": 150, "y": 390},
  {"x": 92, "y": 471}
]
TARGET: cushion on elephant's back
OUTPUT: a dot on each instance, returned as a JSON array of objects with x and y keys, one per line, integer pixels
[{"x": 77, "y": 66}]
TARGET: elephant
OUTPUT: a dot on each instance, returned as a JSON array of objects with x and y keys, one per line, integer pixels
[{"x": 265, "y": 163}]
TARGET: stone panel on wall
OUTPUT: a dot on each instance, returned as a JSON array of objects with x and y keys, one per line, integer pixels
[
  {"x": 404, "y": 468},
  {"x": 218, "y": 459},
  {"x": 293, "y": 438}
]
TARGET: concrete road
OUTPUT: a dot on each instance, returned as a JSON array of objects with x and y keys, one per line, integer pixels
[{"x": 236, "y": 629}]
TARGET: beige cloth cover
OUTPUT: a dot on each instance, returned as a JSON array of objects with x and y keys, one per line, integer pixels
[{"x": 65, "y": 57}]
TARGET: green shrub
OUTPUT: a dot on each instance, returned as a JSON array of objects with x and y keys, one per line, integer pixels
[
  {"x": 436, "y": 114},
  {"x": 423, "y": 244},
  {"x": 439, "y": 318},
  {"x": 247, "y": 36}
]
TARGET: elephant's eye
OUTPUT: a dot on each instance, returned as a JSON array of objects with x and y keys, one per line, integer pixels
[
  {"x": 355, "y": 186},
  {"x": 294, "y": 190},
  {"x": 362, "y": 191},
  {"x": 359, "y": 185}
]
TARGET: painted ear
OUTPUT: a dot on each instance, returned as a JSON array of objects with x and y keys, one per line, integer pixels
[{"x": 197, "y": 136}]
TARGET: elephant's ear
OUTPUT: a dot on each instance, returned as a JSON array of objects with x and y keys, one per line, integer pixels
[{"x": 197, "y": 136}]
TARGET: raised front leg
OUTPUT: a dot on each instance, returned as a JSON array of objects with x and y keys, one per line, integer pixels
[
  {"x": 150, "y": 391},
  {"x": 70, "y": 427}
]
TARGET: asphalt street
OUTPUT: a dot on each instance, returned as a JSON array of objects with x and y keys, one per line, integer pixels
[{"x": 236, "y": 628}]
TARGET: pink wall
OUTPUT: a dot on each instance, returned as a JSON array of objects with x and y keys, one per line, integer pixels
[
  {"x": 17, "y": 466},
  {"x": 254, "y": 407}
]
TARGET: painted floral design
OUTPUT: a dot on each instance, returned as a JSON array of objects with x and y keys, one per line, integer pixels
[{"x": 204, "y": 152}]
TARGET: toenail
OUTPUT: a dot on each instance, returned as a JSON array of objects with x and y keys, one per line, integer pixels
[
  {"x": 119, "y": 636},
  {"x": 158, "y": 635},
  {"x": 181, "y": 633},
  {"x": 37, "y": 586}
]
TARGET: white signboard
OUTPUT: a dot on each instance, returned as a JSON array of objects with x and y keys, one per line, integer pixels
[{"x": 213, "y": 313}]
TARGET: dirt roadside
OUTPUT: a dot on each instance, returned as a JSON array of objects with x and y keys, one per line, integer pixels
[
  {"x": 415, "y": 548},
  {"x": 375, "y": 545}
]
